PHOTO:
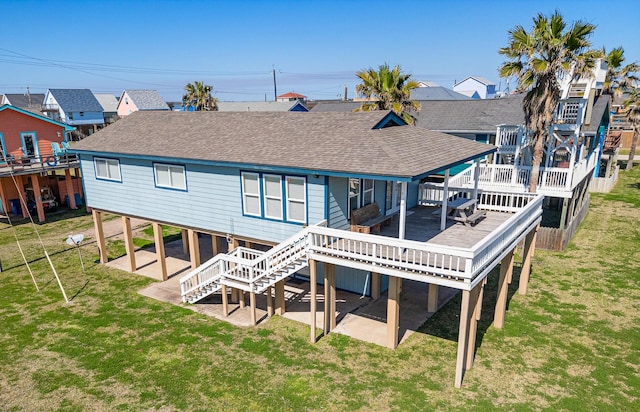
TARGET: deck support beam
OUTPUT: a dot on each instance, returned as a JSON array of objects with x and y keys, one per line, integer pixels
[
  {"x": 506, "y": 269},
  {"x": 329, "y": 298},
  {"x": 528, "y": 250},
  {"x": 313, "y": 291},
  {"x": 280, "y": 302},
  {"x": 375, "y": 285},
  {"x": 128, "y": 243},
  {"x": 241, "y": 298},
  {"x": 35, "y": 181},
  {"x": 252, "y": 304},
  {"x": 269, "y": 301},
  {"x": 469, "y": 313},
  {"x": 432, "y": 298},
  {"x": 185, "y": 241},
  {"x": 215, "y": 245},
  {"x": 23, "y": 199},
  {"x": 69, "y": 183},
  {"x": 99, "y": 230},
  {"x": 160, "y": 256},
  {"x": 393, "y": 311},
  {"x": 225, "y": 301},
  {"x": 3, "y": 197},
  {"x": 194, "y": 248}
]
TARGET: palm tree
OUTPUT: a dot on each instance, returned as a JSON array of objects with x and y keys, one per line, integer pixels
[
  {"x": 632, "y": 103},
  {"x": 539, "y": 58},
  {"x": 198, "y": 96},
  {"x": 618, "y": 77},
  {"x": 387, "y": 89}
]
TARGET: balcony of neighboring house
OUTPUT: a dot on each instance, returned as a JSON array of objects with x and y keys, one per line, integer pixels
[
  {"x": 26, "y": 165},
  {"x": 50, "y": 107},
  {"x": 570, "y": 114}
]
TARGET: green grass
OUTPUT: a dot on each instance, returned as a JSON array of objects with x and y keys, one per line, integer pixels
[{"x": 571, "y": 343}]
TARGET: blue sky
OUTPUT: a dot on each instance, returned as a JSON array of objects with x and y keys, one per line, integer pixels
[{"x": 314, "y": 46}]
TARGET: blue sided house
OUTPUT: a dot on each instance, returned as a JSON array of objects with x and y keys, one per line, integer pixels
[{"x": 338, "y": 198}]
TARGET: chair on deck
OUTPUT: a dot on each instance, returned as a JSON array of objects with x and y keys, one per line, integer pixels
[
  {"x": 57, "y": 150},
  {"x": 65, "y": 146}
]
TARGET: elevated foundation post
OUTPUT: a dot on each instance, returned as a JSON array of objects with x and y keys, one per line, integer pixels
[
  {"x": 506, "y": 268},
  {"x": 35, "y": 181},
  {"x": 160, "y": 256},
  {"x": 313, "y": 287},
  {"x": 529, "y": 248},
  {"x": 225, "y": 301},
  {"x": 97, "y": 224},
  {"x": 375, "y": 285},
  {"x": 194, "y": 248},
  {"x": 69, "y": 183},
  {"x": 269, "y": 301},
  {"x": 128, "y": 243},
  {"x": 432, "y": 298},
  {"x": 280, "y": 302},
  {"x": 393, "y": 311},
  {"x": 252, "y": 303}
]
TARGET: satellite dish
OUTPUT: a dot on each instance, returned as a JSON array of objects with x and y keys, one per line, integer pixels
[{"x": 74, "y": 240}]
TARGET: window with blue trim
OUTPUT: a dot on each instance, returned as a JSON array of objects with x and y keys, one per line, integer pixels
[
  {"x": 108, "y": 169},
  {"x": 170, "y": 176},
  {"x": 274, "y": 197},
  {"x": 361, "y": 193},
  {"x": 3, "y": 149}
]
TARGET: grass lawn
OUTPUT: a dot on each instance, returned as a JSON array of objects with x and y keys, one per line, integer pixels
[{"x": 572, "y": 343}]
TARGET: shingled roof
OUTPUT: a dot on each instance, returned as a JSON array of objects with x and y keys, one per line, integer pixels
[
  {"x": 76, "y": 100},
  {"x": 315, "y": 142},
  {"x": 480, "y": 116},
  {"x": 146, "y": 99},
  {"x": 258, "y": 106}
]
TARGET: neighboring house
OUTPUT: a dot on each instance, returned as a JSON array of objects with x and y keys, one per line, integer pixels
[
  {"x": 32, "y": 150},
  {"x": 109, "y": 105},
  {"x": 436, "y": 93},
  {"x": 281, "y": 106},
  {"x": 476, "y": 87},
  {"x": 31, "y": 102},
  {"x": 283, "y": 190},
  {"x": 290, "y": 97},
  {"x": 335, "y": 106},
  {"x": 75, "y": 107},
  {"x": 136, "y": 100},
  {"x": 572, "y": 156}
]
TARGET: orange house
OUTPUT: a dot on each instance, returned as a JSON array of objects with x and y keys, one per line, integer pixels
[{"x": 35, "y": 168}]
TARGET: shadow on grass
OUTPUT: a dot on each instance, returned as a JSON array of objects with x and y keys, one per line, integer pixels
[{"x": 445, "y": 323}]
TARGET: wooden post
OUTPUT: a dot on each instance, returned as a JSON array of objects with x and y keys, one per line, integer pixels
[
  {"x": 248, "y": 245},
  {"x": 331, "y": 270},
  {"x": 35, "y": 180},
  {"x": 280, "y": 302},
  {"x": 185, "y": 241},
  {"x": 77, "y": 175},
  {"x": 563, "y": 215},
  {"x": 3, "y": 197},
  {"x": 97, "y": 224},
  {"x": 476, "y": 306},
  {"x": 463, "y": 333},
  {"x": 375, "y": 285},
  {"x": 269, "y": 302},
  {"x": 160, "y": 257},
  {"x": 393, "y": 311},
  {"x": 194, "y": 248},
  {"x": 529, "y": 247},
  {"x": 506, "y": 267},
  {"x": 241, "y": 297},
  {"x": 225, "y": 301},
  {"x": 128, "y": 243},
  {"x": 70, "y": 192},
  {"x": 313, "y": 286},
  {"x": 252, "y": 303},
  {"x": 215, "y": 245},
  {"x": 23, "y": 199},
  {"x": 432, "y": 298},
  {"x": 326, "y": 324},
  {"x": 234, "y": 295}
]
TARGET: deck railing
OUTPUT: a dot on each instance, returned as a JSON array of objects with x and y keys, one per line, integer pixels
[
  {"x": 570, "y": 111},
  {"x": 35, "y": 164}
]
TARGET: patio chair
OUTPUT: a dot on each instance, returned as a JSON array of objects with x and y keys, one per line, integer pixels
[
  {"x": 57, "y": 150},
  {"x": 65, "y": 146}
]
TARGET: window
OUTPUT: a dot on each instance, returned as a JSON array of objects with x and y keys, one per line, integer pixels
[
  {"x": 251, "y": 194},
  {"x": 3, "y": 150},
  {"x": 367, "y": 192},
  {"x": 296, "y": 199},
  {"x": 170, "y": 176},
  {"x": 272, "y": 196},
  {"x": 108, "y": 169},
  {"x": 70, "y": 116},
  {"x": 361, "y": 193},
  {"x": 354, "y": 194}
]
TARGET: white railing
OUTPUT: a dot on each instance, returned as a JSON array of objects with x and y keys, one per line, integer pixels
[
  {"x": 584, "y": 168},
  {"x": 431, "y": 194},
  {"x": 570, "y": 111},
  {"x": 508, "y": 138},
  {"x": 447, "y": 265}
]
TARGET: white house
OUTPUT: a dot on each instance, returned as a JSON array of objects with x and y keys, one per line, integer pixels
[{"x": 476, "y": 87}]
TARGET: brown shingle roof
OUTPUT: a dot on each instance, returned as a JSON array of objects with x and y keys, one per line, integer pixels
[{"x": 323, "y": 142}]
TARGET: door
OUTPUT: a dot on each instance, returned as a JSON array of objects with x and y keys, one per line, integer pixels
[
  {"x": 30, "y": 145},
  {"x": 393, "y": 197}
]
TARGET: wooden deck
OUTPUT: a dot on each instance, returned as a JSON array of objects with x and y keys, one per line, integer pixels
[{"x": 423, "y": 225}]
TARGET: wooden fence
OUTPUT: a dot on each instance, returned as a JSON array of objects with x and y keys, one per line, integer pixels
[
  {"x": 604, "y": 184},
  {"x": 551, "y": 238}
]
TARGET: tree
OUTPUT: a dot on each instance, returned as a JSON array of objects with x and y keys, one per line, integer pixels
[
  {"x": 539, "y": 59},
  {"x": 632, "y": 104},
  {"x": 618, "y": 77},
  {"x": 387, "y": 89},
  {"x": 198, "y": 96}
]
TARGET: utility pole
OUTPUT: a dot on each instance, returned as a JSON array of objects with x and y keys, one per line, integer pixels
[{"x": 275, "y": 92}]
